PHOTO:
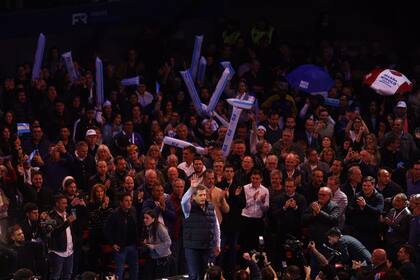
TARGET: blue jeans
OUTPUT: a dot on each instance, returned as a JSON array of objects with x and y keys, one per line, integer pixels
[
  {"x": 130, "y": 255},
  {"x": 60, "y": 268},
  {"x": 197, "y": 261}
]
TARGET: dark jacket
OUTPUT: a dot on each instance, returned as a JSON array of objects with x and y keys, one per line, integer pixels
[
  {"x": 348, "y": 190},
  {"x": 96, "y": 221},
  {"x": 231, "y": 220},
  {"x": 199, "y": 227},
  {"x": 303, "y": 137},
  {"x": 366, "y": 219},
  {"x": 352, "y": 249},
  {"x": 288, "y": 221},
  {"x": 58, "y": 239},
  {"x": 43, "y": 146},
  {"x": 397, "y": 233},
  {"x": 31, "y": 230},
  {"x": 319, "y": 224},
  {"x": 390, "y": 190},
  {"x": 56, "y": 171},
  {"x": 116, "y": 230},
  {"x": 43, "y": 198},
  {"x": 242, "y": 178},
  {"x": 82, "y": 170}
]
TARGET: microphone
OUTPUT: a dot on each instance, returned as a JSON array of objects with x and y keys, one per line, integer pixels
[{"x": 331, "y": 249}]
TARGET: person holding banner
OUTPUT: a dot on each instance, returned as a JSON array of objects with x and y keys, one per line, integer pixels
[{"x": 145, "y": 98}]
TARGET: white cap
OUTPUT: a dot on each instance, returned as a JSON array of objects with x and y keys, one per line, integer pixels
[
  {"x": 401, "y": 104},
  {"x": 262, "y": 127},
  {"x": 107, "y": 103},
  {"x": 90, "y": 132}
]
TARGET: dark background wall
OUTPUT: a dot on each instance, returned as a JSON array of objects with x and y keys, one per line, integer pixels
[{"x": 113, "y": 26}]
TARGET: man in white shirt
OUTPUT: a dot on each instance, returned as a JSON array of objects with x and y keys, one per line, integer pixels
[
  {"x": 257, "y": 202},
  {"x": 145, "y": 98},
  {"x": 61, "y": 241},
  {"x": 188, "y": 154}
]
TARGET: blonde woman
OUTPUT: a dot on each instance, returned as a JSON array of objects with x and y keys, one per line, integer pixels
[
  {"x": 98, "y": 211},
  {"x": 103, "y": 153},
  {"x": 154, "y": 152}
]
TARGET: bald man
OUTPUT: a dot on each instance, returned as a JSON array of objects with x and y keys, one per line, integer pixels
[
  {"x": 321, "y": 215},
  {"x": 379, "y": 261},
  {"x": 386, "y": 186}
]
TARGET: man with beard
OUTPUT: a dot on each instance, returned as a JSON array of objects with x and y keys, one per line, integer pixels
[{"x": 28, "y": 254}]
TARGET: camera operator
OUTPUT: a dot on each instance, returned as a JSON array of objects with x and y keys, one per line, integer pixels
[
  {"x": 349, "y": 247},
  {"x": 251, "y": 262}
]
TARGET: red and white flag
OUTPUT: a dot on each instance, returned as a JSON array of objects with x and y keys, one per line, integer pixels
[{"x": 387, "y": 82}]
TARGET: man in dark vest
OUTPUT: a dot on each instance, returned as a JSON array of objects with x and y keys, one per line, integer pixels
[{"x": 201, "y": 231}]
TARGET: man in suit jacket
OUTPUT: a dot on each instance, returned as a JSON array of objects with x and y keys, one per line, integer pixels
[
  {"x": 308, "y": 137},
  {"x": 353, "y": 184},
  {"x": 287, "y": 210}
]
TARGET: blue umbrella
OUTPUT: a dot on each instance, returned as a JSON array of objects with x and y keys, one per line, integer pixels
[{"x": 310, "y": 78}]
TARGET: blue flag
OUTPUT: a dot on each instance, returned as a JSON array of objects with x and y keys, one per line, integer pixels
[
  {"x": 99, "y": 82},
  {"x": 39, "y": 56}
]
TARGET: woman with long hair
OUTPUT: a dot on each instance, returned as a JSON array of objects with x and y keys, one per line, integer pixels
[
  {"x": 327, "y": 155},
  {"x": 98, "y": 211},
  {"x": 154, "y": 152},
  {"x": 5, "y": 142},
  {"x": 9, "y": 121},
  {"x": 327, "y": 142},
  {"x": 158, "y": 243},
  {"x": 356, "y": 131},
  {"x": 103, "y": 153}
]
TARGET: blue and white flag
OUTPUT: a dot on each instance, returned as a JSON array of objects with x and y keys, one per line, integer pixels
[
  {"x": 221, "y": 119},
  {"x": 23, "y": 128},
  {"x": 202, "y": 70},
  {"x": 196, "y": 56},
  {"x": 221, "y": 85},
  {"x": 134, "y": 81},
  {"x": 186, "y": 76},
  {"x": 233, "y": 123},
  {"x": 99, "y": 82},
  {"x": 31, "y": 155},
  {"x": 333, "y": 102},
  {"x": 39, "y": 56},
  {"x": 227, "y": 64},
  {"x": 182, "y": 144},
  {"x": 68, "y": 61}
]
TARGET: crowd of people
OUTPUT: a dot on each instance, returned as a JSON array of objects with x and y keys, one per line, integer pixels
[{"x": 307, "y": 190}]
